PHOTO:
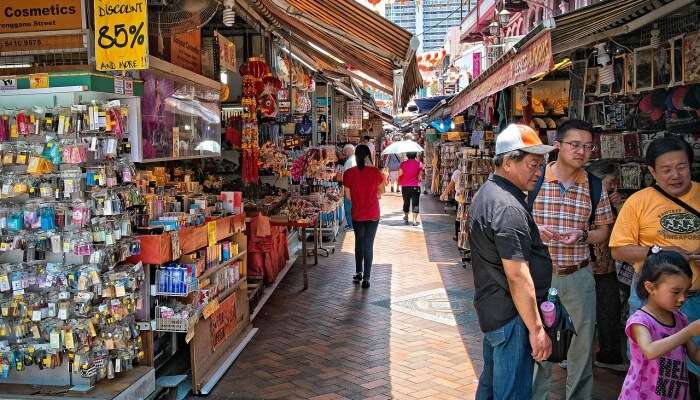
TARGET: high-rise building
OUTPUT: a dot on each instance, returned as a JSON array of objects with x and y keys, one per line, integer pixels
[
  {"x": 438, "y": 17},
  {"x": 429, "y": 20}
]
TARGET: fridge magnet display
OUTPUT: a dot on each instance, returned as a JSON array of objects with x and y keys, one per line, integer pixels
[
  {"x": 691, "y": 57},
  {"x": 643, "y": 68}
]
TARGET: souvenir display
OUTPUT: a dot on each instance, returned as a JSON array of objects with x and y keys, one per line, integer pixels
[{"x": 67, "y": 214}]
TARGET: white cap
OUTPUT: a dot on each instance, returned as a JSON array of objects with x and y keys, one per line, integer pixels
[{"x": 520, "y": 137}]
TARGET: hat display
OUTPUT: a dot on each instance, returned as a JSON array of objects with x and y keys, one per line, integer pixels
[{"x": 520, "y": 137}]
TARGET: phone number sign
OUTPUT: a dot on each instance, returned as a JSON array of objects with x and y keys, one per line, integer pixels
[{"x": 121, "y": 35}]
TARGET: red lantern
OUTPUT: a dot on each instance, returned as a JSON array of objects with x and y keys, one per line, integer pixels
[
  {"x": 374, "y": 2},
  {"x": 257, "y": 67}
]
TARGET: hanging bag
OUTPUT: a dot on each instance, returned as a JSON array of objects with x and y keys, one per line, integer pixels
[{"x": 560, "y": 333}]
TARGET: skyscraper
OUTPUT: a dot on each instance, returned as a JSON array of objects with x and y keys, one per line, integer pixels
[{"x": 429, "y": 20}]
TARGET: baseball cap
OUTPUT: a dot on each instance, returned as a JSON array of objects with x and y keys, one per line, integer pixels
[{"x": 520, "y": 137}]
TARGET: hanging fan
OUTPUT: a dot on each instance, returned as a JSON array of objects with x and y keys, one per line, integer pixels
[{"x": 169, "y": 17}]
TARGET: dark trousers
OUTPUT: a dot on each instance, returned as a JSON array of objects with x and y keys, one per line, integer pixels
[
  {"x": 608, "y": 309},
  {"x": 364, "y": 246},
  {"x": 410, "y": 194},
  {"x": 457, "y": 229}
]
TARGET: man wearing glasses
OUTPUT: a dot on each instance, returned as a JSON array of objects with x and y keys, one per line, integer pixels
[{"x": 572, "y": 212}]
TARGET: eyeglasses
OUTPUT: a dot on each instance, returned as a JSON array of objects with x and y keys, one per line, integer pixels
[
  {"x": 578, "y": 146},
  {"x": 534, "y": 165}
]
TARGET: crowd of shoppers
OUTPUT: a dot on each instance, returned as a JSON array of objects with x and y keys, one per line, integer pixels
[{"x": 559, "y": 236}]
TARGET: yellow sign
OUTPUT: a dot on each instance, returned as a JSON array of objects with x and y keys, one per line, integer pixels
[
  {"x": 121, "y": 35},
  {"x": 18, "y": 16},
  {"x": 38, "y": 81},
  {"x": 211, "y": 233}
]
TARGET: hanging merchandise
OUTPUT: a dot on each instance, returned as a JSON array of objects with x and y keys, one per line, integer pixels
[
  {"x": 253, "y": 72},
  {"x": 302, "y": 102},
  {"x": 267, "y": 102}
]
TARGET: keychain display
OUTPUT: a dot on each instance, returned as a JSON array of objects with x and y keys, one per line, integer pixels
[{"x": 68, "y": 205}]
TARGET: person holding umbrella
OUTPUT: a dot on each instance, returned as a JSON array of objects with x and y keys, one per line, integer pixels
[{"x": 410, "y": 174}]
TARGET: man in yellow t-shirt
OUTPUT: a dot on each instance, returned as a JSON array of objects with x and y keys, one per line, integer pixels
[{"x": 650, "y": 218}]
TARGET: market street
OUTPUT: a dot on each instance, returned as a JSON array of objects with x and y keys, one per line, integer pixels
[{"x": 412, "y": 335}]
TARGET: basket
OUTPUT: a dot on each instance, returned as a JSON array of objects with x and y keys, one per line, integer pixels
[{"x": 183, "y": 325}]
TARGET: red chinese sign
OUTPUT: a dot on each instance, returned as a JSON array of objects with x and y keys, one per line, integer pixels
[
  {"x": 533, "y": 59},
  {"x": 223, "y": 321}
]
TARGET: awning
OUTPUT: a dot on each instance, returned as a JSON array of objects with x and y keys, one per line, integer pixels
[
  {"x": 426, "y": 104},
  {"x": 534, "y": 54},
  {"x": 355, "y": 37}
]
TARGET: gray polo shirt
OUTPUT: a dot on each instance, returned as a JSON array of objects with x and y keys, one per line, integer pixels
[{"x": 501, "y": 226}]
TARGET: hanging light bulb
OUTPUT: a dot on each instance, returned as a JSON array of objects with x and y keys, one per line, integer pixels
[{"x": 229, "y": 16}]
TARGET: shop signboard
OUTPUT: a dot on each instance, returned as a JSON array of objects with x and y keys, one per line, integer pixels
[
  {"x": 223, "y": 321},
  {"x": 21, "y": 16},
  {"x": 227, "y": 53},
  {"x": 40, "y": 43},
  {"x": 8, "y": 83},
  {"x": 476, "y": 64},
  {"x": 121, "y": 35},
  {"x": 186, "y": 50},
  {"x": 532, "y": 59}
]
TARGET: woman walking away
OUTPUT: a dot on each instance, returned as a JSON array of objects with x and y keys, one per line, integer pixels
[
  {"x": 364, "y": 185},
  {"x": 409, "y": 179},
  {"x": 659, "y": 334}
]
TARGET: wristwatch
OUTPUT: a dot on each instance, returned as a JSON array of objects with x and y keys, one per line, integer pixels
[{"x": 584, "y": 236}]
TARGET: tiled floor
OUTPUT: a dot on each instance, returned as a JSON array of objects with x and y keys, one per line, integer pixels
[{"x": 412, "y": 335}]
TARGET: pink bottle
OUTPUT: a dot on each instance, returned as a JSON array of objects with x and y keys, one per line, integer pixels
[{"x": 549, "y": 313}]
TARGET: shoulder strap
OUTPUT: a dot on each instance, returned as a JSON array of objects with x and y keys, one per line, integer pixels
[
  {"x": 595, "y": 187},
  {"x": 531, "y": 196},
  {"x": 678, "y": 201}
]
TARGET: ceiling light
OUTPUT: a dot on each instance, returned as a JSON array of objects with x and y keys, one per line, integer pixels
[{"x": 11, "y": 66}]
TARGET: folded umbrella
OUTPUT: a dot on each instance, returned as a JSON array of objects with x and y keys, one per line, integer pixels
[{"x": 404, "y": 146}]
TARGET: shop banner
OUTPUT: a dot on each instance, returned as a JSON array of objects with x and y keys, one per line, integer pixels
[
  {"x": 121, "y": 35},
  {"x": 18, "y": 16},
  {"x": 476, "y": 64},
  {"x": 186, "y": 50},
  {"x": 227, "y": 53},
  {"x": 532, "y": 59},
  {"x": 35, "y": 44},
  {"x": 223, "y": 321}
]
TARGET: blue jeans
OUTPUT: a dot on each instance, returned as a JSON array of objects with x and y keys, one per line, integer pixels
[
  {"x": 508, "y": 363},
  {"x": 691, "y": 309},
  {"x": 347, "y": 205}
]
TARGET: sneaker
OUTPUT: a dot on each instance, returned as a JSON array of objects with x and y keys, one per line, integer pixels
[
  {"x": 416, "y": 223},
  {"x": 357, "y": 278},
  {"x": 563, "y": 364},
  {"x": 365, "y": 284},
  {"x": 613, "y": 367},
  {"x": 405, "y": 220}
]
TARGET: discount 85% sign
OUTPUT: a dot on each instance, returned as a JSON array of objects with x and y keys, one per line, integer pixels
[{"x": 121, "y": 35}]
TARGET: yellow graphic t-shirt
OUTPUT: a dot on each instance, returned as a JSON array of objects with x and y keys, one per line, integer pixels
[{"x": 649, "y": 218}]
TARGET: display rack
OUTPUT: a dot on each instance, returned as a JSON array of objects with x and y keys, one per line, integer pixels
[
  {"x": 475, "y": 167},
  {"x": 67, "y": 202}
]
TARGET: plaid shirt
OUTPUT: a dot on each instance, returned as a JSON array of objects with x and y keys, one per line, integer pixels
[{"x": 564, "y": 210}]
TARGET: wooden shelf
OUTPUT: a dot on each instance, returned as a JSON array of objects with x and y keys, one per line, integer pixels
[{"x": 213, "y": 270}]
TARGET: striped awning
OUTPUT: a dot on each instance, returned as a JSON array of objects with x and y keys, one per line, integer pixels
[
  {"x": 356, "y": 37},
  {"x": 570, "y": 31}
]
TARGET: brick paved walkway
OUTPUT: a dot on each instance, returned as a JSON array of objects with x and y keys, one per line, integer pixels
[{"x": 412, "y": 335}]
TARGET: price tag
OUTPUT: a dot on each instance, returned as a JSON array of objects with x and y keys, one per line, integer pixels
[
  {"x": 118, "y": 85},
  {"x": 121, "y": 35}
]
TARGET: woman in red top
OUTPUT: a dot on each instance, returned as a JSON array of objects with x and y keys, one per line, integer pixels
[
  {"x": 410, "y": 176},
  {"x": 364, "y": 185}
]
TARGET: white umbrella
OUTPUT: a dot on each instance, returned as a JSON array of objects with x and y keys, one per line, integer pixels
[{"x": 404, "y": 146}]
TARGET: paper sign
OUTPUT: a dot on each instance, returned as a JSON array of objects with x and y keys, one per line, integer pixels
[
  {"x": 121, "y": 35},
  {"x": 227, "y": 53},
  {"x": 8, "y": 83},
  {"x": 186, "y": 50},
  {"x": 223, "y": 321},
  {"x": 118, "y": 85},
  {"x": 38, "y": 81},
  {"x": 211, "y": 233},
  {"x": 128, "y": 86}
]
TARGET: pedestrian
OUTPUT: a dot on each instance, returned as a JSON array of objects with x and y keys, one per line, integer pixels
[
  {"x": 368, "y": 141},
  {"x": 665, "y": 215},
  {"x": 607, "y": 287},
  {"x": 364, "y": 185},
  {"x": 349, "y": 153},
  {"x": 393, "y": 165},
  {"x": 453, "y": 186},
  {"x": 660, "y": 336},
  {"x": 512, "y": 268},
  {"x": 572, "y": 211},
  {"x": 410, "y": 176}
]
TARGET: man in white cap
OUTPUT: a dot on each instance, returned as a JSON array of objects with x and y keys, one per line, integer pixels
[{"x": 512, "y": 267}]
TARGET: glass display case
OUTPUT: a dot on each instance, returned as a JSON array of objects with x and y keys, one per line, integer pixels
[{"x": 180, "y": 118}]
